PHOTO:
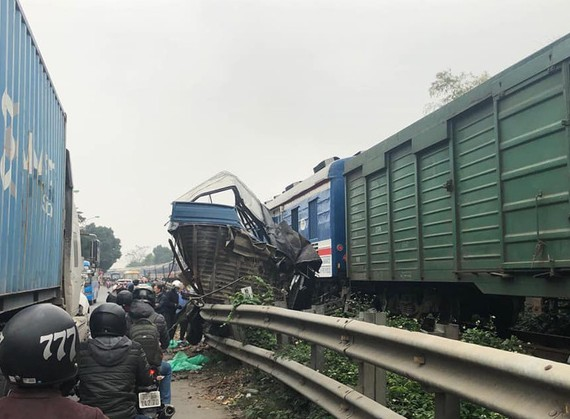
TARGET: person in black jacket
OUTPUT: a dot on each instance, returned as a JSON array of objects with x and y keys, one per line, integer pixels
[
  {"x": 111, "y": 366},
  {"x": 143, "y": 307},
  {"x": 166, "y": 304}
]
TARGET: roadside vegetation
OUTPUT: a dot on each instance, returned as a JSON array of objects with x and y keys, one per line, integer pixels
[{"x": 263, "y": 396}]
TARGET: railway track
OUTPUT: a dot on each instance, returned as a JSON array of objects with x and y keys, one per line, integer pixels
[{"x": 547, "y": 346}]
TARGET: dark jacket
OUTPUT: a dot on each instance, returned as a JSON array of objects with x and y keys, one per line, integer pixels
[
  {"x": 110, "y": 370},
  {"x": 140, "y": 309},
  {"x": 45, "y": 404},
  {"x": 166, "y": 304}
]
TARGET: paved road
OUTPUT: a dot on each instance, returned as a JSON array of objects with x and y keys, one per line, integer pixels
[
  {"x": 101, "y": 297},
  {"x": 188, "y": 402}
]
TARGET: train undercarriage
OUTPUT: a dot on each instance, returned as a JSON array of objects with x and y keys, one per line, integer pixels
[{"x": 542, "y": 322}]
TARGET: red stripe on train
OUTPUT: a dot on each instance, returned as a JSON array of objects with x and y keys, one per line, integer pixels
[{"x": 324, "y": 251}]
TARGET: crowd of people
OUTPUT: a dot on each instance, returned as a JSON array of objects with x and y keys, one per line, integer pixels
[
  {"x": 170, "y": 301},
  {"x": 43, "y": 361}
]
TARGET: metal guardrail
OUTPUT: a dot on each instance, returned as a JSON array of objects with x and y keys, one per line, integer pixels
[
  {"x": 338, "y": 399},
  {"x": 516, "y": 385}
]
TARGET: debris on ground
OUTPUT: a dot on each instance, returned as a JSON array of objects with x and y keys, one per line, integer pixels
[{"x": 182, "y": 362}]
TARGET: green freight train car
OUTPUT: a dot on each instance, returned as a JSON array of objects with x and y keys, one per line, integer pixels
[{"x": 470, "y": 205}]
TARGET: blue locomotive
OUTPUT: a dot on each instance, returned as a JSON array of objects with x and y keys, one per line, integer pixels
[{"x": 315, "y": 207}]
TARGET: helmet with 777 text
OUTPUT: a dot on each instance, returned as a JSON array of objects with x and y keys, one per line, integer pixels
[{"x": 38, "y": 347}]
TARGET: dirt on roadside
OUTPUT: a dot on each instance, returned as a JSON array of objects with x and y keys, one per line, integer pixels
[{"x": 212, "y": 391}]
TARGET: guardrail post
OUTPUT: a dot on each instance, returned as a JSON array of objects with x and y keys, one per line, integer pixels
[
  {"x": 282, "y": 339},
  {"x": 317, "y": 351},
  {"x": 447, "y": 405},
  {"x": 371, "y": 379},
  {"x": 238, "y": 332}
]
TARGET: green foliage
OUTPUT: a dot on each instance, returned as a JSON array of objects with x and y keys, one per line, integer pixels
[
  {"x": 337, "y": 366},
  {"x": 448, "y": 86},
  {"x": 487, "y": 336},
  {"x": 407, "y": 398},
  {"x": 262, "y": 295},
  {"x": 470, "y": 410},
  {"x": 110, "y": 249},
  {"x": 299, "y": 351},
  {"x": 403, "y": 322},
  {"x": 340, "y": 368},
  {"x": 260, "y": 337},
  {"x": 355, "y": 304},
  {"x": 161, "y": 254}
]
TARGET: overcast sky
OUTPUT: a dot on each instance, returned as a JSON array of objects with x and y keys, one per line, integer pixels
[{"x": 161, "y": 95}]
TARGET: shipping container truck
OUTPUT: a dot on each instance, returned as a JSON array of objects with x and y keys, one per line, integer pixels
[{"x": 40, "y": 259}]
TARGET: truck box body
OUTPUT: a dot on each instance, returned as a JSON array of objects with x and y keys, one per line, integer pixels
[{"x": 32, "y": 169}]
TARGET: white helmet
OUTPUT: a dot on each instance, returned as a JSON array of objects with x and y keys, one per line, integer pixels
[{"x": 178, "y": 284}]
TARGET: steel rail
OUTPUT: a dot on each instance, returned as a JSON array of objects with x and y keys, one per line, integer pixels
[
  {"x": 336, "y": 398},
  {"x": 516, "y": 385}
]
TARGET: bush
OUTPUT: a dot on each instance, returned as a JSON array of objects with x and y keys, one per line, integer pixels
[
  {"x": 407, "y": 398},
  {"x": 487, "y": 336}
]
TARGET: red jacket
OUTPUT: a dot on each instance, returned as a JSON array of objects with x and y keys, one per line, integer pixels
[{"x": 45, "y": 404}]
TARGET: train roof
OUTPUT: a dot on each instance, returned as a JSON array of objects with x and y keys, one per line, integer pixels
[
  {"x": 324, "y": 170},
  {"x": 433, "y": 128}
]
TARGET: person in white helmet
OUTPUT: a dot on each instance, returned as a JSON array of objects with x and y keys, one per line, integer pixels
[{"x": 181, "y": 319}]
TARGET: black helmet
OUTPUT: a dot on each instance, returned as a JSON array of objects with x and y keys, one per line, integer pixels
[
  {"x": 144, "y": 293},
  {"x": 108, "y": 319},
  {"x": 38, "y": 347},
  {"x": 136, "y": 282},
  {"x": 124, "y": 298}
]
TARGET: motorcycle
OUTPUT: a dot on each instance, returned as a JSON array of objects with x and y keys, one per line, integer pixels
[{"x": 149, "y": 403}]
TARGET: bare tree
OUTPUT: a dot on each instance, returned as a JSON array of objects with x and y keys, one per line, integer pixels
[
  {"x": 137, "y": 256},
  {"x": 448, "y": 86}
]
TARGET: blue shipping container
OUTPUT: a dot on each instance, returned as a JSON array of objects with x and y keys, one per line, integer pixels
[{"x": 32, "y": 168}]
